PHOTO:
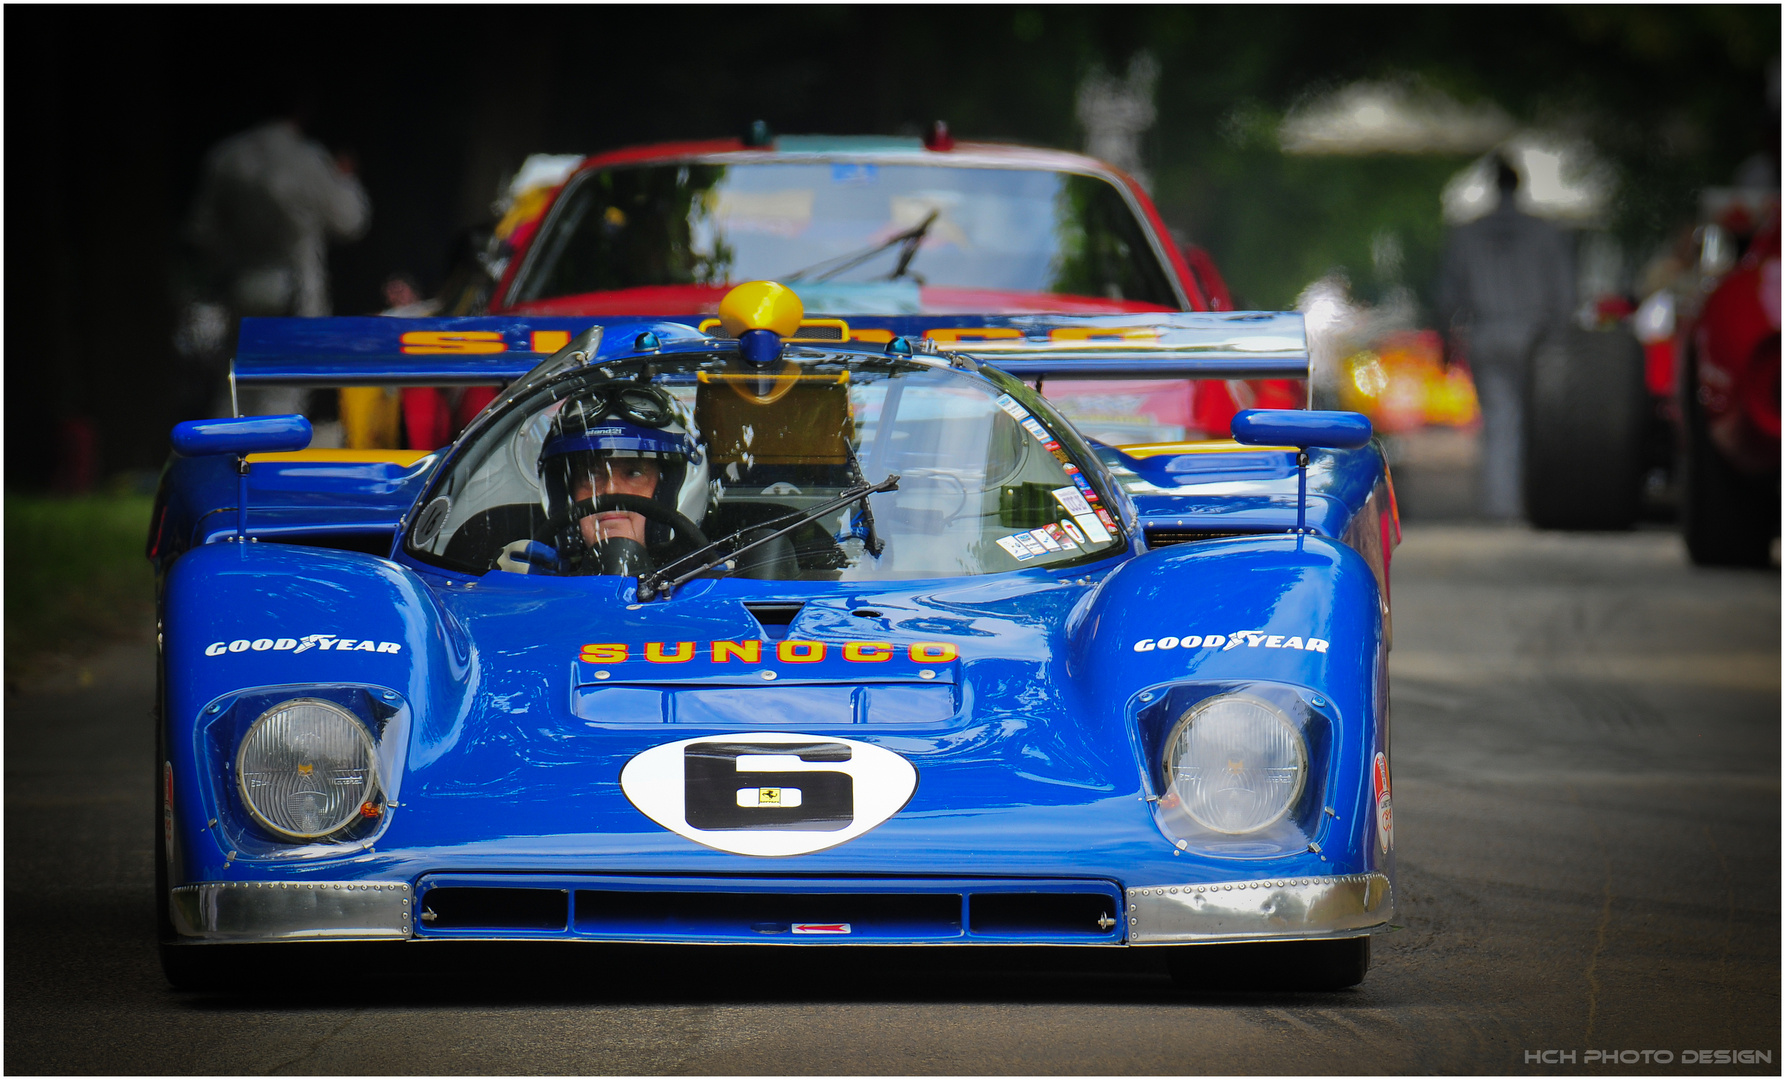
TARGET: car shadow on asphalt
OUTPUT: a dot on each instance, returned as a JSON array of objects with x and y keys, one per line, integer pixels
[{"x": 299, "y": 977}]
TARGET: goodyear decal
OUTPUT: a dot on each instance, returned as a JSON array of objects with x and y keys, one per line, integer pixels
[
  {"x": 324, "y": 642},
  {"x": 1239, "y": 639}
]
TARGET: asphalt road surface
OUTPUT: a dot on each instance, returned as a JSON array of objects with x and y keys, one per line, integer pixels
[{"x": 1586, "y": 766}]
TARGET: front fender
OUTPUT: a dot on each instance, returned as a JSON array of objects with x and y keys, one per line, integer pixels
[
  {"x": 245, "y": 625},
  {"x": 1299, "y": 612}
]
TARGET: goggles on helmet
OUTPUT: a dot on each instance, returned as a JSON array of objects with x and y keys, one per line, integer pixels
[{"x": 645, "y": 406}]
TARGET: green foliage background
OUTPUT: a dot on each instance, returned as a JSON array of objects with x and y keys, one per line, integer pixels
[{"x": 76, "y": 575}]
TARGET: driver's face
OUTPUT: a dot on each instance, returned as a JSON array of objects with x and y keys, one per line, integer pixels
[{"x": 617, "y": 476}]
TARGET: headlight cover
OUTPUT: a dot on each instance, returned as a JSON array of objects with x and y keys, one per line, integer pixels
[
  {"x": 1236, "y": 764},
  {"x": 306, "y": 767}
]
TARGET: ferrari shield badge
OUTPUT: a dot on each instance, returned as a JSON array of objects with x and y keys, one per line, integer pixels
[{"x": 768, "y": 793}]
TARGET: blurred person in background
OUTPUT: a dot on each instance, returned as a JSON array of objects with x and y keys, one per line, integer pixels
[
  {"x": 269, "y": 201},
  {"x": 1505, "y": 285}
]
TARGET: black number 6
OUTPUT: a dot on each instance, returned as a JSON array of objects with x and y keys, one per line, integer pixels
[{"x": 712, "y": 780}]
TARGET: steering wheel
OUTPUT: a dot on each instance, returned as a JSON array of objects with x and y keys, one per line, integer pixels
[{"x": 688, "y": 534}]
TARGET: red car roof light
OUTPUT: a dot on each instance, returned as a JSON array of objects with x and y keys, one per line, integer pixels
[{"x": 938, "y": 138}]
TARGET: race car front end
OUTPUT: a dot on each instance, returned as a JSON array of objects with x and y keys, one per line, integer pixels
[{"x": 910, "y": 774}]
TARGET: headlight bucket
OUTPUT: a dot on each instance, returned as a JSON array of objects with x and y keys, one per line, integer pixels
[
  {"x": 1235, "y": 763},
  {"x": 306, "y": 768},
  {"x": 1282, "y": 719}
]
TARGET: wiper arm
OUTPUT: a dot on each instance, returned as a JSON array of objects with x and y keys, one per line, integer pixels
[
  {"x": 655, "y": 583},
  {"x": 863, "y": 522},
  {"x": 911, "y": 238},
  {"x": 912, "y": 243}
]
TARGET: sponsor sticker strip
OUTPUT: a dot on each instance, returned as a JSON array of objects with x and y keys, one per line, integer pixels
[
  {"x": 1084, "y": 501},
  {"x": 1073, "y": 500},
  {"x": 1093, "y": 528},
  {"x": 1031, "y": 425},
  {"x": 1018, "y": 550}
]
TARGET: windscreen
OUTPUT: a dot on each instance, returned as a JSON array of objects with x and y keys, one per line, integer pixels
[
  {"x": 852, "y": 225},
  {"x": 627, "y": 469}
]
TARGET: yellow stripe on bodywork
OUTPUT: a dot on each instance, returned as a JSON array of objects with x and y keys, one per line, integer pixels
[
  {"x": 1207, "y": 446},
  {"x": 404, "y": 458}
]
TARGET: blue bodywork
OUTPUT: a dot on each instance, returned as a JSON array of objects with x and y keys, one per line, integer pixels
[{"x": 1036, "y": 746}]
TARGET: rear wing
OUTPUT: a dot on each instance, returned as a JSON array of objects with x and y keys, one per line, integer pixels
[{"x": 495, "y": 350}]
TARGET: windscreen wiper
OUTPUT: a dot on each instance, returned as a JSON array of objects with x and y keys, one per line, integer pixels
[
  {"x": 861, "y": 525},
  {"x": 910, "y": 238},
  {"x": 659, "y": 583}
]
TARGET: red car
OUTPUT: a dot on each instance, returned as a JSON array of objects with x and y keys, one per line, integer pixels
[
  {"x": 856, "y": 225},
  {"x": 869, "y": 225},
  {"x": 1729, "y": 401}
]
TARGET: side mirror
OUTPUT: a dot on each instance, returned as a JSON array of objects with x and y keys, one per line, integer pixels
[
  {"x": 242, "y": 435},
  {"x": 1301, "y": 428}
]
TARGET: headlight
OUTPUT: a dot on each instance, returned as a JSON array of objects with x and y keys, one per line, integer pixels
[
  {"x": 1236, "y": 763},
  {"x": 306, "y": 767}
]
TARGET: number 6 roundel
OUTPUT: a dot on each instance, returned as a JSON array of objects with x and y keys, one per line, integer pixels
[{"x": 768, "y": 792}]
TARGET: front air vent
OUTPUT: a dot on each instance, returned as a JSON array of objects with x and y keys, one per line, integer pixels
[
  {"x": 1044, "y": 914},
  {"x": 1158, "y": 538},
  {"x": 774, "y": 617},
  {"x": 806, "y": 916},
  {"x": 462, "y": 908},
  {"x": 770, "y": 911}
]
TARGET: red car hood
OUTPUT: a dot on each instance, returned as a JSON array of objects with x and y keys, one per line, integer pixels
[{"x": 934, "y": 300}]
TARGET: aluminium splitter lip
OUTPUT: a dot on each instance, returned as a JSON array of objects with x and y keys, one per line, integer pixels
[
  {"x": 1283, "y": 909},
  {"x": 246, "y": 911}
]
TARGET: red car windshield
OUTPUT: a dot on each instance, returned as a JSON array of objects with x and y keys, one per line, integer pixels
[{"x": 853, "y": 236}]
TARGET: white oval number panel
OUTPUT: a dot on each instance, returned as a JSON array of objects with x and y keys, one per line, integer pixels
[{"x": 768, "y": 792}]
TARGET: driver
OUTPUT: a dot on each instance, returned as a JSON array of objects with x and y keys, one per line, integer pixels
[
  {"x": 618, "y": 439},
  {"x": 615, "y": 475}
]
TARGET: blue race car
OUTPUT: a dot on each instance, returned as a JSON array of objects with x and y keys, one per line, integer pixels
[{"x": 778, "y": 631}]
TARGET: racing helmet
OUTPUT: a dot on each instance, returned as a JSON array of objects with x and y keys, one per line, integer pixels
[{"x": 625, "y": 420}]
